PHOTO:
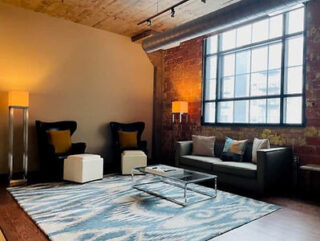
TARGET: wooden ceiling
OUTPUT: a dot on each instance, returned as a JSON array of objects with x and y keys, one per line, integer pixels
[{"x": 122, "y": 16}]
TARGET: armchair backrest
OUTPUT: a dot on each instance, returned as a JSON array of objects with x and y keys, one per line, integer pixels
[
  {"x": 135, "y": 126},
  {"x": 42, "y": 135}
]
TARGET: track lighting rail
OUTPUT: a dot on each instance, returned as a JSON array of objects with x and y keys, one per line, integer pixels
[{"x": 171, "y": 9}]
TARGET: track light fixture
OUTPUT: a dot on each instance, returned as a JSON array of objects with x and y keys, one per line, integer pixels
[
  {"x": 148, "y": 20},
  {"x": 172, "y": 12}
]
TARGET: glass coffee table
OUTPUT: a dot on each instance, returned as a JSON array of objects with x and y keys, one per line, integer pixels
[{"x": 181, "y": 180}]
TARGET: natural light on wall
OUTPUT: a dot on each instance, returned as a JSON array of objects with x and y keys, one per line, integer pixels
[{"x": 254, "y": 74}]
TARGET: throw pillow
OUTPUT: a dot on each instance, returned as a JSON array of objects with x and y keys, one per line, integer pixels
[
  {"x": 128, "y": 139},
  {"x": 203, "y": 145},
  {"x": 233, "y": 150},
  {"x": 61, "y": 140},
  {"x": 257, "y": 145}
]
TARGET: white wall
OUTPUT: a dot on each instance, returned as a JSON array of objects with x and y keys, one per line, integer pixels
[{"x": 73, "y": 72}]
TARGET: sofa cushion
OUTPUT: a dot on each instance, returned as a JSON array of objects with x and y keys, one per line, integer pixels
[
  {"x": 218, "y": 148},
  {"x": 244, "y": 169},
  {"x": 233, "y": 150},
  {"x": 203, "y": 145},
  {"x": 202, "y": 162},
  {"x": 257, "y": 145}
]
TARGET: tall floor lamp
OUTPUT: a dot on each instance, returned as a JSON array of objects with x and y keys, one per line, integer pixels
[
  {"x": 180, "y": 108},
  {"x": 18, "y": 100}
]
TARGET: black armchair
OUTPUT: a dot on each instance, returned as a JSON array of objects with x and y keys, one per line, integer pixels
[
  {"x": 51, "y": 163},
  {"x": 117, "y": 150}
]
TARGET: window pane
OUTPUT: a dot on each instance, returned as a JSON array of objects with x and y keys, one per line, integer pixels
[
  {"x": 275, "y": 54},
  {"x": 210, "y": 89},
  {"x": 228, "y": 65},
  {"x": 227, "y": 87},
  {"x": 276, "y": 26},
  {"x": 260, "y": 30},
  {"x": 241, "y": 111},
  {"x": 244, "y": 35},
  {"x": 294, "y": 80},
  {"x": 259, "y": 84},
  {"x": 296, "y": 21},
  {"x": 274, "y": 82},
  {"x": 293, "y": 110},
  {"x": 210, "y": 112},
  {"x": 259, "y": 59},
  {"x": 229, "y": 40},
  {"x": 247, "y": 64},
  {"x": 211, "y": 68},
  {"x": 273, "y": 109},
  {"x": 225, "y": 112},
  {"x": 242, "y": 85},
  {"x": 258, "y": 111},
  {"x": 212, "y": 44},
  {"x": 295, "y": 51},
  {"x": 243, "y": 62}
]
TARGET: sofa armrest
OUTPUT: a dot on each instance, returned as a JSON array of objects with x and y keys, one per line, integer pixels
[
  {"x": 274, "y": 167},
  {"x": 183, "y": 148}
]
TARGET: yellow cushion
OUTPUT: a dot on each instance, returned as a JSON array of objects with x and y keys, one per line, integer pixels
[
  {"x": 61, "y": 140},
  {"x": 128, "y": 139}
]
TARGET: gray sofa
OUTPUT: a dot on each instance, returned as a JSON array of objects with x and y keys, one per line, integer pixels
[{"x": 272, "y": 171}]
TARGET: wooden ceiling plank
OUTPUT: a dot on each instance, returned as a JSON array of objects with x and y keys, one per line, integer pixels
[{"x": 122, "y": 16}]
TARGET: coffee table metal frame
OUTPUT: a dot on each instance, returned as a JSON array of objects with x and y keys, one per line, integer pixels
[{"x": 177, "y": 182}]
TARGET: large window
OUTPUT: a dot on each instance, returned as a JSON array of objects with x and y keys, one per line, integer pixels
[{"x": 254, "y": 74}]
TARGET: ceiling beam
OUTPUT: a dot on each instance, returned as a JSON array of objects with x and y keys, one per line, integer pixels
[{"x": 142, "y": 35}]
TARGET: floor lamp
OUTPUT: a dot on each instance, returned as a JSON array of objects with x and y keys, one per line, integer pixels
[
  {"x": 179, "y": 110},
  {"x": 18, "y": 100}
]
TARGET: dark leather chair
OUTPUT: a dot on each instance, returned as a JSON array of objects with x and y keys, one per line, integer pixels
[
  {"x": 51, "y": 163},
  {"x": 116, "y": 149}
]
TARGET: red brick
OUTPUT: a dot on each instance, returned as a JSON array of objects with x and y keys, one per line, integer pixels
[
  {"x": 313, "y": 141},
  {"x": 305, "y": 150}
]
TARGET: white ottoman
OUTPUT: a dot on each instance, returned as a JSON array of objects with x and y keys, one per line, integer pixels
[
  {"x": 83, "y": 168},
  {"x": 132, "y": 159}
]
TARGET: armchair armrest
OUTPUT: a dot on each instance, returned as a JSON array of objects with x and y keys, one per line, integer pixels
[
  {"x": 274, "y": 167},
  {"x": 183, "y": 148},
  {"x": 78, "y": 148}
]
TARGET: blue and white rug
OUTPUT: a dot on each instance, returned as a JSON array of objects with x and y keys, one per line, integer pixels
[{"x": 110, "y": 209}]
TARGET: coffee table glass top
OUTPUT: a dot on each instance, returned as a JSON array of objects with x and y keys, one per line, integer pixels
[{"x": 188, "y": 176}]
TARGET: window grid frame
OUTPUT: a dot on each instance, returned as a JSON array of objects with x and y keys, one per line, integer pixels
[{"x": 266, "y": 43}]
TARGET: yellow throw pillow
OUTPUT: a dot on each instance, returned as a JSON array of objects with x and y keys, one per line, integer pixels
[
  {"x": 128, "y": 139},
  {"x": 61, "y": 140}
]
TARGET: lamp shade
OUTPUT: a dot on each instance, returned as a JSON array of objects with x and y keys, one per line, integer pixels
[
  {"x": 179, "y": 107},
  {"x": 18, "y": 98}
]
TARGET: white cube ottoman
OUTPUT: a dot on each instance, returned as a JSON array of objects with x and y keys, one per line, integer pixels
[
  {"x": 83, "y": 168},
  {"x": 132, "y": 159}
]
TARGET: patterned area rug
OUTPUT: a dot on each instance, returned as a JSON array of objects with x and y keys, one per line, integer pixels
[{"x": 110, "y": 209}]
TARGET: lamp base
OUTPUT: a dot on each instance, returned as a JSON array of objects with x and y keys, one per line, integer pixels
[{"x": 18, "y": 182}]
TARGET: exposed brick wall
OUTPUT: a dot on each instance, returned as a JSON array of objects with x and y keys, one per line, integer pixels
[{"x": 182, "y": 80}]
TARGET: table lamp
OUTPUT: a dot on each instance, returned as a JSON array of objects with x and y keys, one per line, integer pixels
[{"x": 18, "y": 100}]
